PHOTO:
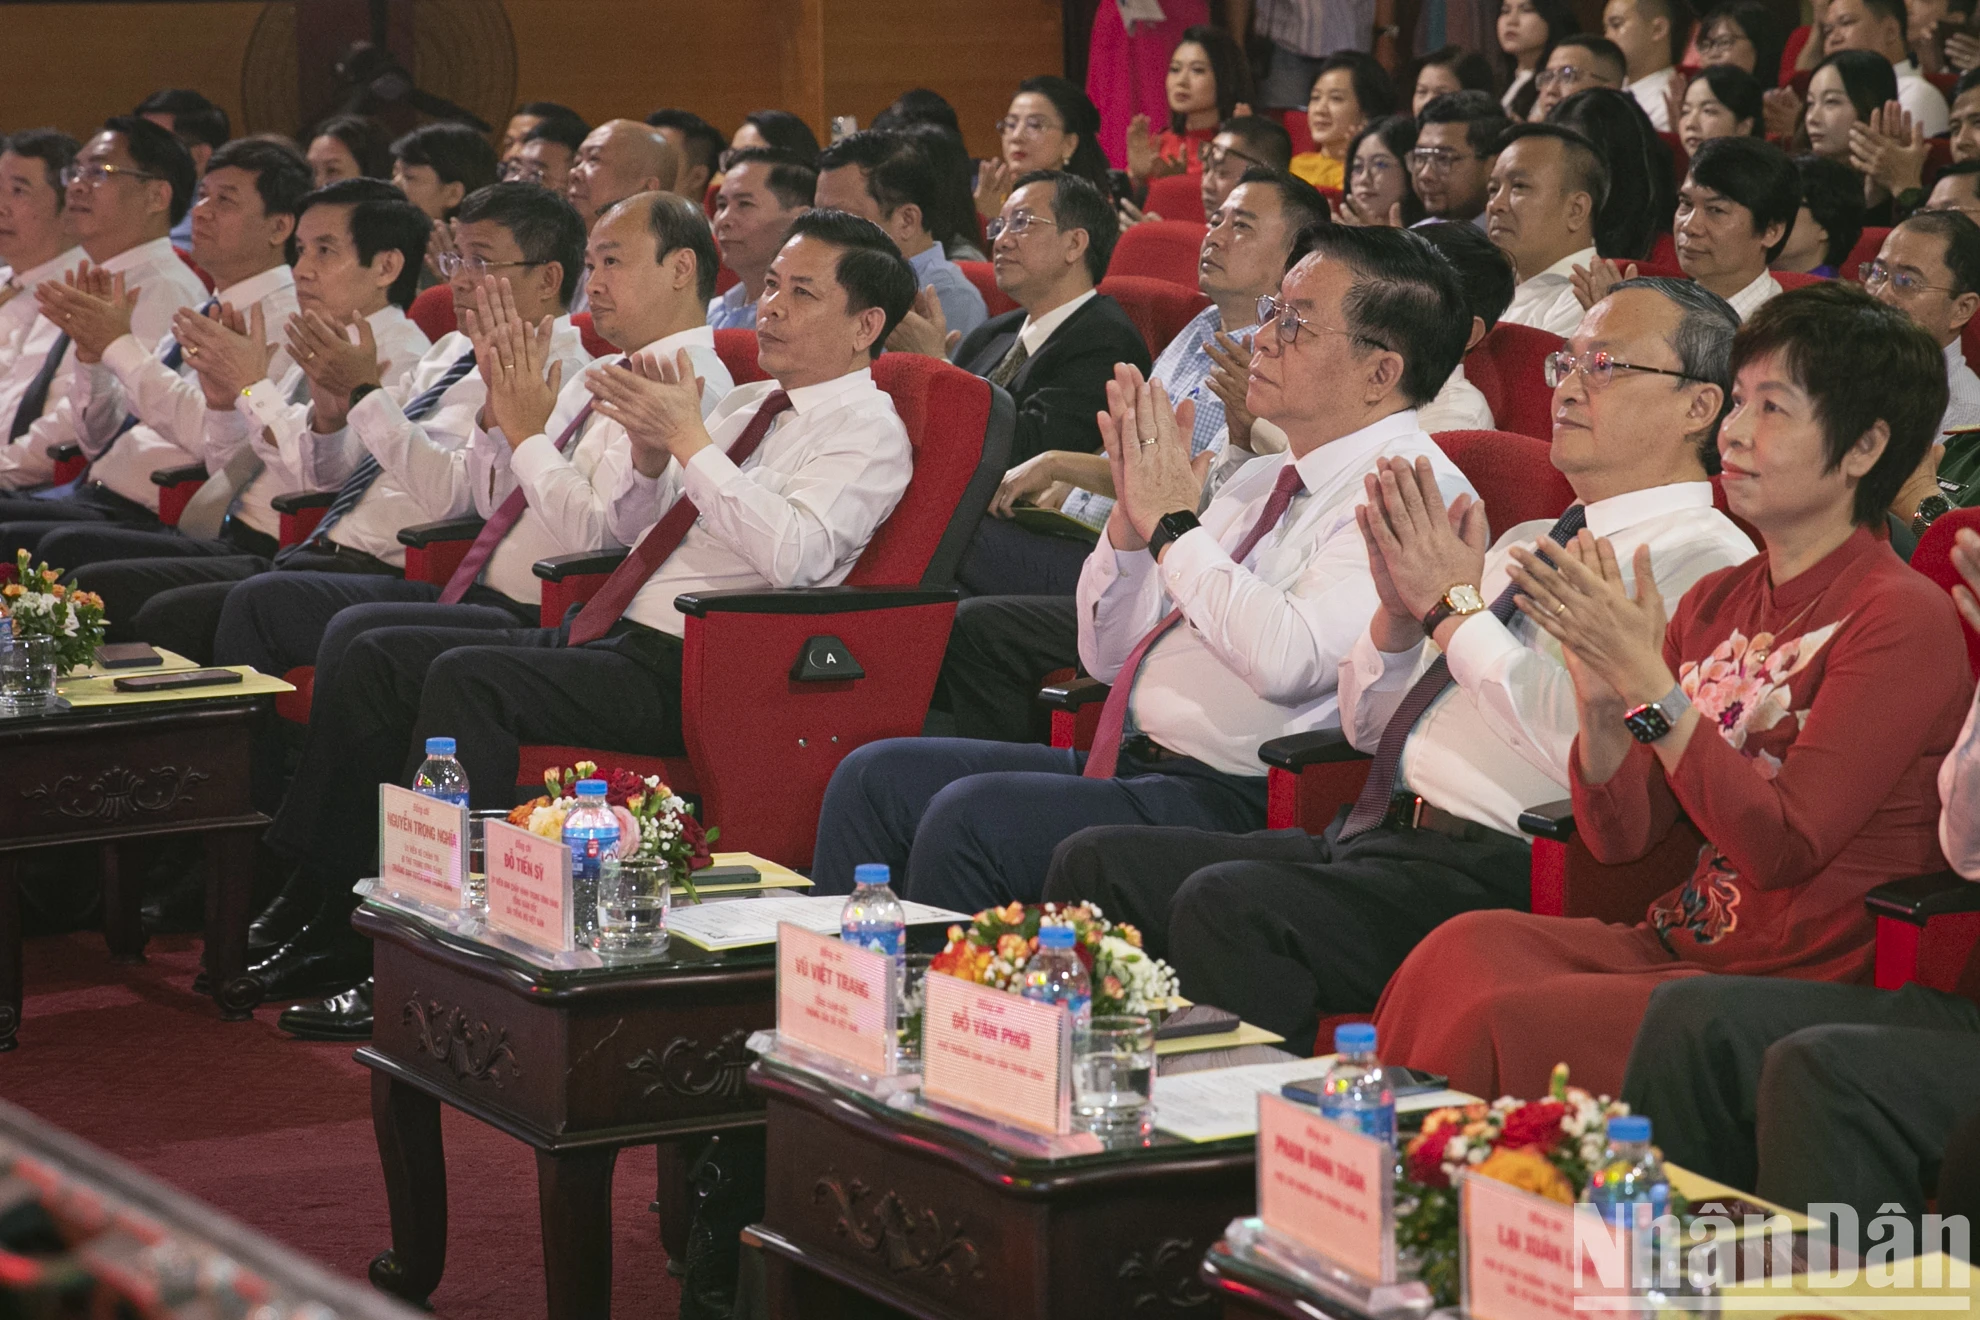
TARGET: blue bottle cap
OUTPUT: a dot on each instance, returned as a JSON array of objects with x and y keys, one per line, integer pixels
[
  {"x": 872, "y": 873},
  {"x": 1355, "y": 1038},
  {"x": 439, "y": 746},
  {"x": 591, "y": 788},
  {"x": 1629, "y": 1127},
  {"x": 1056, "y": 937}
]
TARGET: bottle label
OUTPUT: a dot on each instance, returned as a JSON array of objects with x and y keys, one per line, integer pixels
[
  {"x": 890, "y": 941},
  {"x": 1379, "y": 1122}
]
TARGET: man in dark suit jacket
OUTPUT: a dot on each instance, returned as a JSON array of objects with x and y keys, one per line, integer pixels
[{"x": 1055, "y": 355}]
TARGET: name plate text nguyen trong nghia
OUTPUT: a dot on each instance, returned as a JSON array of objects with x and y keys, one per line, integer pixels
[
  {"x": 529, "y": 887},
  {"x": 1518, "y": 1252},
  {"x": 1327, "y": 1188},
  {"x": 836, "y": 998},
  {"x": 996, "y": 1054},
  {"x": 422, "y": 847}
]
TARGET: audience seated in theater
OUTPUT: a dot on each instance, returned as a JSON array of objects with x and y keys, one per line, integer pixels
[
  {"x": 1208, "y": 79},
  {"x": 1795, "y": 709},
  {"x": 889, "y": 179},
  {"x": 779, "y": 129},
  {"x": 1829, "y": 222},
  {"x": 1878, "y": 27},
  {"x": 824, "y": 460},
  {"x": 1457, "y": 141},
  {"x": 1847, "y": 96},
  {"x": 1963, "y": 123},
  {"x": 126, "y": 188},
  {"x": 530, "y": 115},
  {"x": 1055, "y": 355},
  {"x": 349, "y": 147},
  {"x": 763, "y": 191},
  {"x": 437, "y": 165},
  {"x": 1243, "y": 143},
  {"x": 1547, "y": 187},
  {"x": 35, "y": 360},
  {"x": 1262, "y": 588},
  {"x": 1449, "y": 69},
  {"x": 1528, "y": 31},
  {"x": 1002, "y": 645},
  {"x": 1052, "y": 124},
  {"x": 1379, "y": 191},
  {"x": 619, "y": 159},
  {"x": 699, "y": 143},
  {"x": 1958, "y": 189},
  {"x": 954, "y": 221},
  {"x": 1285, "y": 927},
  {"x": 1575, "y": 65},
  {"x": 193, "y": 119},
  {"x": 1744, "y": 35},
  {"x": 1721, "y": 101},
  {"x": 1652, "y": 35},
  {"x": 1350, "y": 90},
  {"x": 546, "y": 155},
  {"x": 1486, "y": 275},
  {"x": 1642, "y": 191}
]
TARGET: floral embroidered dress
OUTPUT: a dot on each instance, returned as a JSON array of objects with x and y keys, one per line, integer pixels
[{"x": 1828, "y": 704}]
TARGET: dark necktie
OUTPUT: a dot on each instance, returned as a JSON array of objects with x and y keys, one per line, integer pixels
[
  {"x": 603, "y": 610},
  {"x": 1105, "y": 755},
  {"x": 1006, "y": 371},
  {"x": 1373, "y": 804},
  {"x": 36, "y": 398}
]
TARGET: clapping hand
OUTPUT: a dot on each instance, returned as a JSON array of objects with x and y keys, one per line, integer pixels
[
  {"x": 1593, "y": 282},
  {"x": 1230, "y": 380},
  {"x": 1616, "y": 640},
  {"x": 1674, "y": 91},
  {"x": 1781, "y": 107},
  {"x": 1417, "y": 548},
  {"x": 1148, "y": 456},
  {"x": 1142, "y": 157},
  {"x": 228, "y": 352},
  {"x": 993, "y": 186},
  {"x": 659, "y": 404},
  {"x": 324, "y": 350},
  {"x": 925, "y": 329},
  {"x": 1963, "y": 51},
  {"x": 1351, "y": 212},
  {"x": 91, "y": 306},
  {"x": 514, "y": 359},
  {"x": 1890, "y": 150},
  {"x": 439, "y": 241},
  {"x": 1966, "y": 562}
]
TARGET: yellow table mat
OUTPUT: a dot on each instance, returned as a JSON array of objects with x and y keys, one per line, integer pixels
[{"x": 96, "y": 686}]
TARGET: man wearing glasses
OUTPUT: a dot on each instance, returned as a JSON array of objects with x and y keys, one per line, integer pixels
[
  {"x": 1464, "y": 704},
  {"x": 1576, "y": 65},
  {"x": 1243, "y": 142},
  {"x": 1457, "y": 142}
]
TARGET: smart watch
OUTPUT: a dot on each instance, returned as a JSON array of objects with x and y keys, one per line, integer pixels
[
  {"x": 1458, "y": 602},
  {"x": 1169, "y": 528},
  {"x": 1648, "y": 723}
]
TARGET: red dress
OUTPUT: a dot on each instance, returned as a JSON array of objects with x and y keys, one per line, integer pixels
[{"x": 1834, "y": 699}]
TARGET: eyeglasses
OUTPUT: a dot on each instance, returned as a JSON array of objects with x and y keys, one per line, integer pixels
[
  {"x": 1560, "y": 77},
  {"x": 1281, "y": 315},
  {"x": 522, "y": 171},
  {"x": 1016, "y": 226},
  {"x": 96, "y": 172},
  {"x": 1215, "y": 157},
  {"x": 1875, "y": 275},
  {"x": 1717, "y": 46},
  {"x": 1373, "y": 168},
  {"x": 453, "y": 263},
  {"x": 1031, "y": 126},
  {"x": 1597, "y": 368},
  {"x": 1437, "y": 160}
]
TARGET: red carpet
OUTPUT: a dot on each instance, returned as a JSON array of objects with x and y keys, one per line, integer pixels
[{"x": 277, "y": 1133}]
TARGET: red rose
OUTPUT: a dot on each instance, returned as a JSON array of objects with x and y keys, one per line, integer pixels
[
  {"x": 1537, "y": 1123},
  {"x": 1426, "y": 1156},
  {"x": 696, "y": 839},
  {"x": 621, "y": 785}
]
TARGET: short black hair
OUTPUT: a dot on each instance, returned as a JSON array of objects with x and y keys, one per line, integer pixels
[
  {"x": 1738, "y": 91},
  {"x": 545, "y": 226},
  {"x": 793, "y": 179},
  {"x": 1892, "y": 9},
  {"x": 871, "y": 268},
  {"x": 1642, "y": 191},
  {"x": 55, "y": 150},
  {"x": 1605, "y": 52},
  {"x": 1756, "y": 174},
  {"x": 195, "y": 119},
  {"x": 1587, "y": 165},
  {"x": 1860, "y": 362},
  {"x": 1400, "y": 300},
  {"x": 381, "y": 220},
  {"x": 453, "y": 151},
  {"x": 1077, "y": 204},
  {"x": 1703, "y": 342},
  {"x": 704, "y": 143},
  {"x": 368, "y": 141},
  {"x": 1866, "y": 76},
  {"x": 548, "y": 110},
  {"x": 918, "y": 105},
  {"x": 1263, "y": 137},
  {"x": 896, "y": 168},
  {"x": 1962, "y": 240},
  {"x": 1372, "y": 89},
  {"x": 1833, "y": 194},
  {"x": 1967, "y": 82},
  {"x": 1559, "y": 16},
  {"x": 785, "y": 131},
  {"x": 1480, "y": 112},
  {"x": 1759, "y": 25},
  {"x": 1483, "y": 268},
  {"x": 1473, "y": 71},
  {"x": 954, "y": 220},
  {"x": 160, "y": 153},
  {"x": 676, "y": 223},
  {"x": 1300, "y": 202},
  {"x": 1229, "y": 69},
  {"x": 1398, "y": 134},
  {"x": 566, "y": 133},
  {"x": 280, "y": 175},
  {"x": 1679, "y": 15}
]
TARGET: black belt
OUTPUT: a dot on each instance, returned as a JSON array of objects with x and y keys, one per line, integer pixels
[
  {"x": 348, "y": 560},
  {"x": 1407, "y": 811},
  {"x": 246, "y": 539},
  {"x": 1141, "y": 747}
]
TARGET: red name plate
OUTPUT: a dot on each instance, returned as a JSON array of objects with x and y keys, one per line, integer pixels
[
  {"x": 422, "y": 846},
  {"x": 996, "y": 1054},
  {"x": 837, "y": 998},
  {"x": 1519, "y": 1253},
  {"x": 529, "y": 887},
  {"x": 1327, "y": 1188}
]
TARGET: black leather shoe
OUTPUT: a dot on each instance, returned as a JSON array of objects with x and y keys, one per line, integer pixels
[
  {"x": 300, "y": 900},
  {"x": 340, "y": 1017},
  {"x": 312, "y": 965}
]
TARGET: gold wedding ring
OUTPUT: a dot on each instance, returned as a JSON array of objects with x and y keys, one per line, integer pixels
[
  {"x": 192, "y": 350},
  {"x": 1560, "y": 608}
]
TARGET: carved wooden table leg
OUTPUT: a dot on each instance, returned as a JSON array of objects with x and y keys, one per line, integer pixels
[
  {"x": 673, "y": 1200},
  {"x": 229, "y": 900},
  {"x": 574, "y": 1202},
  {"x": 10, "y": 950},
  {"x": 123, "y": 901},
  {"x": 407, "y": 1123}
]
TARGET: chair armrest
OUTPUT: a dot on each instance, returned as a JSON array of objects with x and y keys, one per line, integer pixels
[
  {"x": 426, "y": 534},
  {"x": 1296, "y": 751},
  {"x": 173, "y": 476},
  {"x": 298, "y": 500},
  {"x": 810, "y": 600},
  {"x": 558, "y": 567},
  {"x": 67, "y": 451},
  {"x": 1550, "y": 820},
  {"x": 1917, "y": 899},
  {"x": 1074, "y": 693}
]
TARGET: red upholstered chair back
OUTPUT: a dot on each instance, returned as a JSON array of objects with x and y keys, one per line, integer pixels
[
  {"x": 433, "y": 312},
  {"x": 1664, "y": 252},
  {"x": 737, "y": 349},
  {"x": 1177, "y": 197},
  {"x": 948, "y": 415},
  {"x": 1793, "y": 279},
  {"x": 1163, "y": 250},
  {"x": 708, "y": 196},
  {"x": 1644, "y": 269},
  {"x": 1867, "y": 247},
  {"x": 198, "y": 270},
  {"x": 1507, "y": 369},
  {"x": 1158, "y": 308},
  {"x": 726, "y": 279},
  {"x": 594, "y": 343},
  {"x": 1296, "y": 128},
  {"x": 1933, "y": 558},
  {"x": 1511, "y": 473},
  {"x": 984, "y": 276},
  {"x": 1334, "y": 197},
  {"x": 1680, "y": 161}
]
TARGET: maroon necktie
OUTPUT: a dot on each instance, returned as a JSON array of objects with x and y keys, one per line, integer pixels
[
  {"x": 603, "y": 610},
  {"x": 1106, "y": 753},
  {"x": 504, "y": 521}
]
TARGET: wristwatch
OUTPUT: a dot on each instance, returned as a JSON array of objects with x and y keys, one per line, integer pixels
[
  {"x": 1650, "y": 722},
  {"x": 1459, "y": 602},
  {"x": 1929, "y": 508},
  {"x": 1167, "y": 530},
  {"x": 358, "y": 392}
]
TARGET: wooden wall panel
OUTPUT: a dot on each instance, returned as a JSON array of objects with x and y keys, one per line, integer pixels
[{"x": 75, "y": 65}]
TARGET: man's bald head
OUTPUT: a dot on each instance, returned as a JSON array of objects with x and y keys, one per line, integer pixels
[{"x": 619, "y": 158}]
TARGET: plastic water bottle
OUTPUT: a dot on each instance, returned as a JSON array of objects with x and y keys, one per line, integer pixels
[
  {"x": 440, "y": 775},
  {"x": 872, "y": 917},
  {"x": 1055, "y": 975},
  {"x": 1358, "y": 1092},
  {"x": 591, "y": 832},
  {"x": 1630, "y": 1173}
]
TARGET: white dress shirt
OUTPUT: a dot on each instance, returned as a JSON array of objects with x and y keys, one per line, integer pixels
[
  {"x": 1459, "y": 406},
  {"x": 1963, "y": 391},
  {"x": 1497, "y": 741},
  {"x": 1259, "y": 650},
  {"x": 170, "y": 405},
  {"x": 569, "y": 493},
  {"x": 1959, "y": 796},
  {"x": 1650, "y": 90},
  {"x": 1547, "y": 301},
  {"x": 27, "y": 337},
  {"x": 796, "y": 513},
  {"x": 1925, "y": 102},
  {"x": 1037, "y": 329},
  {"x": 164, "y": 284},
  {"x": 1755, "y": 295}
]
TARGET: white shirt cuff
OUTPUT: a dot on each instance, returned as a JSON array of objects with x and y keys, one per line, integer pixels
[
  {"x": 534, "y": 458},
  {"x": 1379, "y": 670},
  {"x": 1479, "y": 645},
  {"x": 1189, "y": 556},
  {"x": 125, "y": 356},
  {"x": 706, "y": 474},
  {"x": 262, "y": 402}
]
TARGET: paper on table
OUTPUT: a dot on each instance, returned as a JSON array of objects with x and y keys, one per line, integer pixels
[
  {"x": 1222, "y": 1103},
  {"x": 736, "y": 925},
  {"x": 1242, "y": 1034}
]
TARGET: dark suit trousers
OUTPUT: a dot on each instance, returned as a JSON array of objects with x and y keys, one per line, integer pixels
[
  {"x": 1000, "y": 649},
  {"x": 24, "y": 520},
  {"x": 1806, "y": 1091},
  {"x": 129, "y": 566},
  {"x": 1283, "y": 927},
  {"x": 967, "y": 824},
  {"x": 185, "y": 599},
  {"x": 1004, "y": 559}
]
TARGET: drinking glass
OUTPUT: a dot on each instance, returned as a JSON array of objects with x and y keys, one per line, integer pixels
[
  {"x": 633, "y": 897},
  {"x": 477, "y": 880},
  {"x": 27, "y": 673},
  {"x": 1114, "y": 1075},
  {"x": 913, "y": 980}
]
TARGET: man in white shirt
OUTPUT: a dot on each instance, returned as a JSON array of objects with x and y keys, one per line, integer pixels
[
  {"x": 125, "y": 190},
  {"x": 35, "y": 361},
  {"x": 1486, "y": 275},
  {"x": 1269, "y": 587},
  {"x": 1878, "y": 26},
  {"x": 1284, "y": 927},
  {"x": 762, "y": 192},
  {"x": 1548, "y": 185},
  {"x": 1651, "y": 34}
]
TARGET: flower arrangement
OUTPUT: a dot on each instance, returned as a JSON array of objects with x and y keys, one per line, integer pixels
[
  {"x": 654, "y": 821},
  {"x": 40, "y": 606},
  {"x": 997, "y": 944}
]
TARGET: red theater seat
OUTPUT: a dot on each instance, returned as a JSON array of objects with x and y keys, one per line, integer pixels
[
  {"x": 984, "y": 276},
  {"x": 594, "y": 343},
  {"x": 433, "y": 312},
  {"x": 1867, "y": 247},
  {"x": 1158, "y": 308},
  {"x": 1161, "y": 250},
  {"x": 737, "y": 349},
  {"x": 1177, "y": 197},
  {"x": 1508, "y": 368},
  {"x": 1792, "y": 279}
]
